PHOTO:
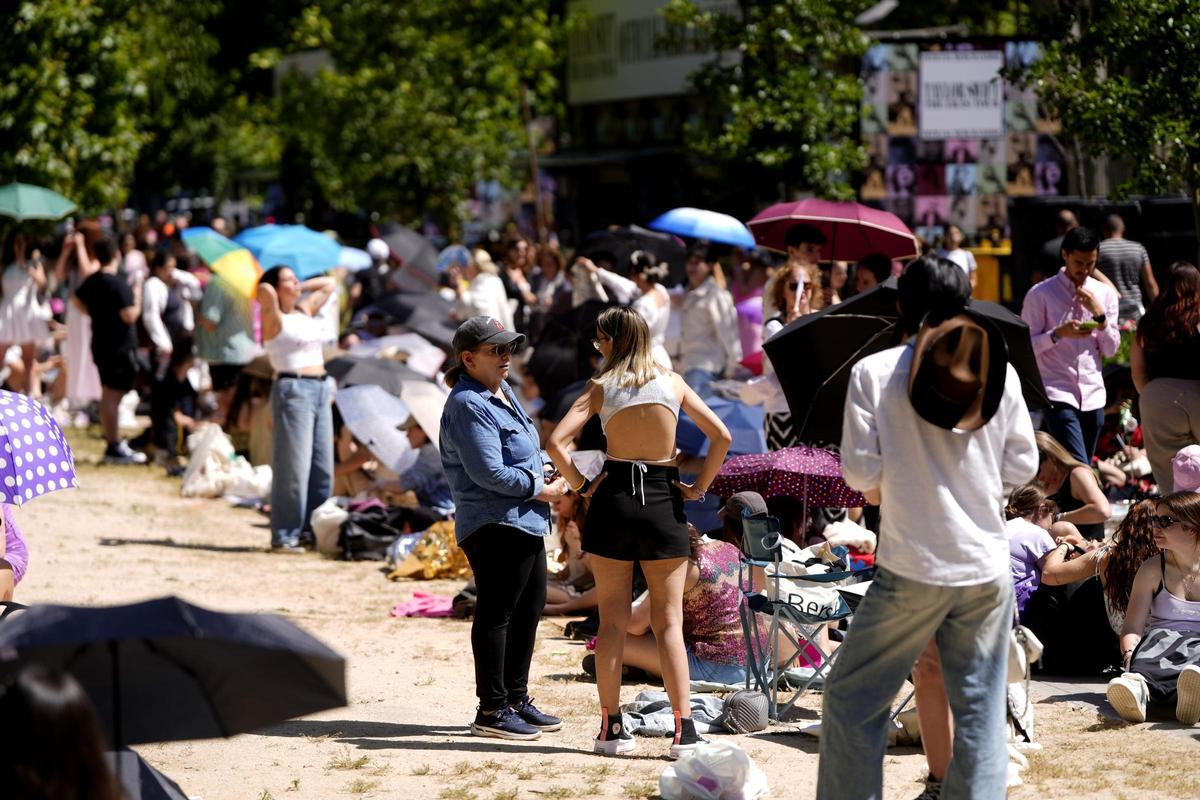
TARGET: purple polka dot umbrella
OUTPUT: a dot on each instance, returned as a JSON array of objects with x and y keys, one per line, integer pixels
[
  {"x": 808, "y": 474},
  {"x": 34, "y": 455}
]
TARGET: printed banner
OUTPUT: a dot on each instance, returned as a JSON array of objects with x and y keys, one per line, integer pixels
[{"x": 962, "y": 95}]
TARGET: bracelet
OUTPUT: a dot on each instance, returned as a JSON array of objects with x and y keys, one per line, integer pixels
[{"x": 582, "y": 487}]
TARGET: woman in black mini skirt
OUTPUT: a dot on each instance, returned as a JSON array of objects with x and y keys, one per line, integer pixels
[{"x": 636, "y": 512}]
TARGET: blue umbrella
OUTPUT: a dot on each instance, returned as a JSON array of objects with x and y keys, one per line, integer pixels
[
  {"x": 354, "y": 259},
  {"x": 745, "y": 423},
  {"x": 455, "y": 255},
  {"x": 305, "y": 251},
  {"x": 700, "y": 224}
]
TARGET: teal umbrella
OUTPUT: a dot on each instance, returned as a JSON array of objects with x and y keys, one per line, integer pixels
[{"x": 22, "y": 202}]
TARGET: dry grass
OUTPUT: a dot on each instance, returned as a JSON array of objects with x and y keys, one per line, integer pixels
[
  {"x": 361, "y": 786},
  {"x": 640, "y": 790},
  {"x": 343, "y": 759},
  {"x": 457, "y": 793},
  {"x": 421, "y": 769}
]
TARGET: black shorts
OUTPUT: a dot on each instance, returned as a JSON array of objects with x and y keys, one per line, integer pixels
[
  {"x": 223, "y": 375},
  {"x": 636, "y": 516},
  {"x": 118, "y": 369}
]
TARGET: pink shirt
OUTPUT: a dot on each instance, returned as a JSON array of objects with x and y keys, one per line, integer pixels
[{"x": 1071, "y": 369}]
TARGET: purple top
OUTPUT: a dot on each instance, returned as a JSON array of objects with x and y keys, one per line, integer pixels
[
  {"x": 1071, "y": 368},
  {"x": 750, "y": 322},
  {"x": 16, "y": 553},
  {"x": 1027, "y": 543}
]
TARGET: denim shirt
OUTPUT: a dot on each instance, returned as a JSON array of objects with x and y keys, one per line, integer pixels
[{"x": 492, "y": 458}]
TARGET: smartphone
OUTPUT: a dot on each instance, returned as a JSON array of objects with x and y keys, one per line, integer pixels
[{"x": 1090, "y": 325}]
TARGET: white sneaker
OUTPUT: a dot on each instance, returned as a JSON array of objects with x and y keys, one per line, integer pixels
[
  {"x": 1187, "y": 703},
  {"x": 1128, "y": 695}
]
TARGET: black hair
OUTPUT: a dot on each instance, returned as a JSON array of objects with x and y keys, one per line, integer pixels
[
  {"x": 52, "y": 743},
  {"x": 183, "y": 348},
  {"x": 1080, "y": 240},
  {"x": 272, "y": 276},
  {"x": 702, "y": 251},
  {"x": 934, "y": 287},
  {"x": 803, "y": 234},
  {"x": 878, "y": 265},
  {"x": 104, "y": 249},
  {"x": 160, "y": 257}
]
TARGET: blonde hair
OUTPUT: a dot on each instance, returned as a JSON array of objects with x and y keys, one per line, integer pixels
[
  {"x": 632, "y": 364},
  {"x": 483, "y": 261},
  {"x": 1050, "y": 450}
]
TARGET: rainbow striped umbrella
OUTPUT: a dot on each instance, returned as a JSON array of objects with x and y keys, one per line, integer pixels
[{"x": 225, "y": 257}]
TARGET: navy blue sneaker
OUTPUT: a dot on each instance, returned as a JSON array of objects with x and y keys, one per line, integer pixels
[
  {"x": 503, "y": 724},
  {"x": 538, "y": 719}
]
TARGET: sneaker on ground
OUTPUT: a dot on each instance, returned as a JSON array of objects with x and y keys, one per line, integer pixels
[
  {"x": 614, "y": 739},
  {"x": 503, "y": 724},
  {"x": 1187, "y": 689},
  {"x": 535, "y": 717},
  {"x": 932, "y": 790},
  {"x": 288, "y": 548},
  {"x": 686, "y": 739},
  {"x": 122, "y": 453},
  {"x": 1127, "y": 695}
]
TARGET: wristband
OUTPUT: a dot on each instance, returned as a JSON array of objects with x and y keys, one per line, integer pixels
[
  {"x": 581, "y": 488},
  {"x": 1054, "y": 336}
]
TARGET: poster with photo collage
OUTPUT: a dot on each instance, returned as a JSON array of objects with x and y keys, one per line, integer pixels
[{"x": 967, "y": 182}]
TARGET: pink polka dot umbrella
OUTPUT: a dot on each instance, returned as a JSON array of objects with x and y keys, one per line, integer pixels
[
  {"x": 808, "y": 474},
  {"x": 34, "y": 455}
]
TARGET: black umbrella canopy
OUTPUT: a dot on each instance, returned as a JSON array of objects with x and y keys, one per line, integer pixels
[
  {"x": 362, "y": 370},
  {"x": 418, "y": 258},
  {"x": 813, "y": 356},
  {"x": 165, "y": 670},
  {"x": 142, "y": 781},
  {"x": 617, "y": 245},
  {"x": 426, "y": 313}
]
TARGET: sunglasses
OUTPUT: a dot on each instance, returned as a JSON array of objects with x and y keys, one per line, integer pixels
[
  {"x": 1162, "y": 521},
  {"x": 500, "y": 350},
  {"x": 795, "y": 286}
]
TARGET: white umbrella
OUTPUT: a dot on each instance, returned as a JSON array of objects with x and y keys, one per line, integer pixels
[
  {"x": 425, "y": 401},
  {"x": 373, "y": 415},
  {"x": 420, "y": 355}
]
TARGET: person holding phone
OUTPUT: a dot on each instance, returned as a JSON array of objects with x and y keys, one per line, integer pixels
[
  {"x": 636, "y": 513},
  {"x": 502, "y": 489}
]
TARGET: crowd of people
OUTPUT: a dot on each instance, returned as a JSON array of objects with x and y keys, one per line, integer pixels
[{"x": 553, "y": 355}]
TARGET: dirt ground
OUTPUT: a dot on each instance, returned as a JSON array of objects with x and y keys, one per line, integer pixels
[{"x": 127, "y": 535}]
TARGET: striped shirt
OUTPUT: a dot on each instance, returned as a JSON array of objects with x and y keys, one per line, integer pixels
[{"x": 1122, "y": 260}]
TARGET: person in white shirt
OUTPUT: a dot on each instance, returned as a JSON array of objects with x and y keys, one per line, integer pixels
[
  {"x": 943, "y": 557},
  {"x": 709, "y": 344},
  {"x": 482, "y": 294},
  {"x": 645, "y": 293},
  {"x": 953, "y": 251},
  {"x": 167, "y": 299}
]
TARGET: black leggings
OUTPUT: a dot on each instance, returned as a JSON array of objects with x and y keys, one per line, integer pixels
[{"x": 510, "y": 577}]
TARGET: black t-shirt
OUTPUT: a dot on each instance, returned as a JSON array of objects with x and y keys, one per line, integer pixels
[{"x": 104, "y": 295}]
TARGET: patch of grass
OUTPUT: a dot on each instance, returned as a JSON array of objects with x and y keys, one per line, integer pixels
[
  {"x": 590, "y": 790},
  {"x": 345, "y": 760},
  {"x": 524, "y": 774},
  {"x": 640, "y": 790},
  {"x": 491, "y": 764},
  {"x": 266, "y": 795},
  {"x": 557, "y": 793},
  {"x": 598, "y": 772},
  {"x": 295, "y": 787},
  {"x": 361, "y": 786},
  {"x": 381, "y": 770},
  {"x": 424, "y": 680},
  {"x": 457, "y": 793},
  {"x": 421, "y": 769},
  {"x": 486, "y": 780},
  {"x": 505, "y": 794},
  {"x": 461, "y": 768}
]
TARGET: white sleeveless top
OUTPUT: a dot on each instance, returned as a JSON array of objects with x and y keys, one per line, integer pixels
[
  {"x": 657, "y": 391},
  {"x": 298, "y": 344}
]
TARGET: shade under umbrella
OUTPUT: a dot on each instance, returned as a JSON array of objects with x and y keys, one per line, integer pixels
[
  {"x": 418, "y": 258},
  {"x": 699, "y": 223},
  {"x": 810, "y": 475},
  {"x": 24, "y": 202},
  {"x": 165, "y": 670},
  {"x": 370, "y": 370},
  {"x": 813, "y": 356},
  {"x": 852, "y": 231},
  {"x": 373, "y": 415},
  {"x": 617, "y": 246}
]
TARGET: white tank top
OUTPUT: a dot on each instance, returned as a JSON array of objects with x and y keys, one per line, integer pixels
[
  {"x": 657, "y": 391},
  {"x": 298, "y": 344}
]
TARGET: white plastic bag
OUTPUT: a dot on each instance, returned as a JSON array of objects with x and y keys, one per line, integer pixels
[
  {"x": 713, "y": 771},
  {"x": 327, "y": 520}
]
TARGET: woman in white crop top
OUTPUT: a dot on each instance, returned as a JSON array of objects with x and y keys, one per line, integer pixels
[
  {"x": 636, "y": 512},
  {"x": 302, "y": 437}
]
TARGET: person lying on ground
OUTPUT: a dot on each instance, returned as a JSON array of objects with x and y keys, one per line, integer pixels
[{"x": 1160, "y": 641}]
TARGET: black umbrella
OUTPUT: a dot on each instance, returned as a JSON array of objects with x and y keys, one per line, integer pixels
[
  {"x": 417, "y": 257},
  {"x": 164, "y": 670},
  {"x": 361, "y": 370},
  {"x": 426, "y": 313},
  {"x": 617, "y": 246},
  {"x": 813, "y": 356},
  {"x": 140, "y": 780}
]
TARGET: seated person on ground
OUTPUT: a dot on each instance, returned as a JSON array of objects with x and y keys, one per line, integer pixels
[
  {"x": 572, "y": 589},
  {"x": 1074, "y": 486},
  {"x": 1160, "y": 641},
  {"x": 173, "y": 405}
]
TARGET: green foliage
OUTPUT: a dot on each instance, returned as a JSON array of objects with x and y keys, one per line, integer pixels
[
  {"x": 72, "y": 97},
  {"x": 422, "y": 99},
  {"x": 1127, "y": 86},
  {"x": 790, "y": 101}
]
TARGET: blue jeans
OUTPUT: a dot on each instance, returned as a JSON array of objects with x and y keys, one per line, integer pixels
[
  {"x": 302, "y": 455},
  {"x": 701, "y": 669},
  {"x": 893, "y": 624},
  {"x": 1074, "y": 429},
  {"x": 701, "y": 381}
]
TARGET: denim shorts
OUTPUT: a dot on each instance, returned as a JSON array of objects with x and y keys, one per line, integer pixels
[{"x": 701, "y": 669}]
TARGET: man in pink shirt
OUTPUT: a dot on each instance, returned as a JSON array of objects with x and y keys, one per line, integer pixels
[{"x": 1073, "y": 323}]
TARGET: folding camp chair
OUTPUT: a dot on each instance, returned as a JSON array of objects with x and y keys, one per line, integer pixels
[{"x": 792, "y": 621}]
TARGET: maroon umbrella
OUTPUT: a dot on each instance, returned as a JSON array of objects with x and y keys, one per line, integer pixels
[
  {"x": 808, "y": 474},
  {"x": 852, "y": 231}
]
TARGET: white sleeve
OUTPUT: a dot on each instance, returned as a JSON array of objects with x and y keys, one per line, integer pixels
[
  {"x": 189, "y": 285},
  {"x": 618, "y": 287},
  {"x": 154, "y": 300},
  {"x": 1020, "y": 460},
  {"x": 862, "y": 461}
]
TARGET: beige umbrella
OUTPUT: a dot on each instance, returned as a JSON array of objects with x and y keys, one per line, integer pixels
[{"x": 425, "y": 401}]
